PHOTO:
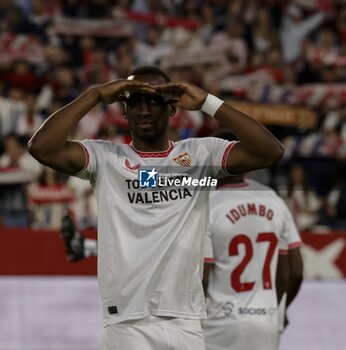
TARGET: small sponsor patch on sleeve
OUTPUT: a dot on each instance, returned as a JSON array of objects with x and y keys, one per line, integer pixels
[{"x": 112, "y": 310}]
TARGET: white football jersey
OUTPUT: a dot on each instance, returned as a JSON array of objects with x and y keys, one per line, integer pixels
[
  {"x": 150, "y": 240},
  {"x": 249, "y": 224}
]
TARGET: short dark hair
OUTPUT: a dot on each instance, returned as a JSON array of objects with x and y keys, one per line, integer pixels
[{"x": 150, "y": 70}]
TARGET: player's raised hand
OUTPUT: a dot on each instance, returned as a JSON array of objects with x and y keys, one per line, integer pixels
[
  {"x": 116, "y": 90},
  {"x": 184, "y": 94}
]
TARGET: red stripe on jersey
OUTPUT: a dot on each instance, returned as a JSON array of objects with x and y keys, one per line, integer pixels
[
  {"x": 209, "y": 260},
  {"x": 87, "y": 160},
  {"x": 225, "y": 155},
  {"x": 294, "y": 245},
  {"x": 283, "y": 251},
  {"x": 160, "y": 154}
]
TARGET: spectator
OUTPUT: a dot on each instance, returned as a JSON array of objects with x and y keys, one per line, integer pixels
[
  {"x": 208, "y": 22},
  {"x": 295, "y": 29},
  {"x": 12, "y": 109},
  {"x": 232, "y": 42},
  {"x": 150, "y": 50},
  {"x": 264, "y": 35},
  {"x": 63, "y": 84},
  {"x": 38, "y": 21},
  {"x": 336, "y": 201},
  {"x": 301, "y": 199},
  {"x": 48, "y": 199},
  {"x": 21, "y": 75},
  {"x": 17, "y": 169},
  {"x": 33, "y": 118},
  {"x": 97, "y": 67}
]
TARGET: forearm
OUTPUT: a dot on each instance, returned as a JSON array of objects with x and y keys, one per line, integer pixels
[
  {"x": 54, "y": 133},
  {"x": 295, "y": 283},
  {"x": 312, "y": 23},
  {"x": 296, "y": 273},
  {"x": 282, "y": 277},
  {"x": 255, "y": 139}
]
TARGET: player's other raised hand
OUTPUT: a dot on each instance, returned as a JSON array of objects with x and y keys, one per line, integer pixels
[
  {"x": 116, "y": 91},
  {"x": 184, "y": 94}
]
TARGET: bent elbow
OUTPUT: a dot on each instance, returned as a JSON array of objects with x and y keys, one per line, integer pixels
[
  {"x": 32, "y": 148},
  {"x": 272, "y": 157},
  {"x": 35, "y": 150},
  {"x": 277, "y": 153}
]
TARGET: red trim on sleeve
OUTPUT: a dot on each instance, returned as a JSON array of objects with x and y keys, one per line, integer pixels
[
  {"x": 209, "y": 260},
  {"x": 225, "y": 155},
  {"x": 294, "y": 245},
  {"x": 87, "y": 160}
]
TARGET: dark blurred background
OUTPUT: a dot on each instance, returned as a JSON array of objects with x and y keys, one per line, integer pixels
[{"x": 283, "y": 62}]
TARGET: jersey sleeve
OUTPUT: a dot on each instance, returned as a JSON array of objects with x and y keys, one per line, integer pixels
[
  {"x": 90, "y": 165},
  {"x": 218, "y": 150},
  {"x": 290, "y": 237},
  {"x": 94, "y": 153}
]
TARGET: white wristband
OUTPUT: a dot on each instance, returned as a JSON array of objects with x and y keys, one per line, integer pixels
[{"x": 211, "y": 105}]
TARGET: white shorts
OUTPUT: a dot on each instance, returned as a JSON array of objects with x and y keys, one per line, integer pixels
[
  {"x": 240, "y": 335},
  {"x": 154, "y": 333}
]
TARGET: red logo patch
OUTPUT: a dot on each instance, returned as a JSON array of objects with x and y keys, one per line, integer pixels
[{"x": 131, "y": 167}]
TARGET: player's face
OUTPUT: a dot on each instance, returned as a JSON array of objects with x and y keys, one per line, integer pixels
[{"x": 148, "y": 115}]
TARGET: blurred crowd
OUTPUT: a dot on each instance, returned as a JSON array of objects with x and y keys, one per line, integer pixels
[{"x": 290, "y": 53}]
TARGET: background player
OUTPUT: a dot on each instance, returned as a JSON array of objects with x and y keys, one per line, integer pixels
[
  {"x": 150, "y": 240},
  {"x": 77, "y": 246},
  {"x": 248, "y": 274}
]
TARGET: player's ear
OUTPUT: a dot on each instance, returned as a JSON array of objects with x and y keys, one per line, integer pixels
[{"x": 173, "y": 110}]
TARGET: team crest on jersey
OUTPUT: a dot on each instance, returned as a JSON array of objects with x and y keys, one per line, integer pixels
[
  {"x": 183, "y": 159},
  {"x": 131, "y": 168}
]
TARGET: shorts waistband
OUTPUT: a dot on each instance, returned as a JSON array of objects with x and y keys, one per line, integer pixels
[{"x": 163, "y": 320}]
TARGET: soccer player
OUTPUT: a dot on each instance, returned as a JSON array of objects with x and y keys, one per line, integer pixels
[
  {"x": 253, "y": 266},
  {"x": 150, "y": 256}
]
